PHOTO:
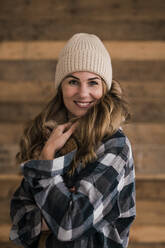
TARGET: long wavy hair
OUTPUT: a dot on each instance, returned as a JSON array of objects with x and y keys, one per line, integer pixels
[{"x": 101, "y": 120}]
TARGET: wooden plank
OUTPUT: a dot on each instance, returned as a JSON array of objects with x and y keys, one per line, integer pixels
[
  {"x": 118, "y": 9},
  {"x": 147, "y": 188},
  {"x": 9, "y": 183},
  {"x": 139, "y": 234},
  {"x": 149, "y": 159},
  {"x": 7, "y": 159},
  {"x": 150, "y": 189},
  {"x": 121, "y": 50},
  {"x": 148, "y": 234},
  {"x": 142, "y": 71},
  {"x": 146, "y": 139},
  {"x": 145, "y": 245},
  {"x": 140, "y": 90},
  {"x": 154, "y": 177},
  {"x": 9, "y": 244},
  {"x": 16, "y": 112},
  {"x": 43, "y": 71},
  {"x": 150, "y": 213},
  {"x": 37, "y": 20},
  {"x": 5, "y": 212},
  {"x": 26, "y": 91},
  {"x": 42, "y": 91},
  {"x": 145, "y": 133},
  {"x": 138, "y": 133},
  {"x": 27, "y": 29},
  {"x": 139, "y": 109},
  {"x": 4, "y": 232},
  {"x": 11, "y": 133}
]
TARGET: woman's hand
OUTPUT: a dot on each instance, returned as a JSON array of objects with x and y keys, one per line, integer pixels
[{"x": 57, "y": 139}]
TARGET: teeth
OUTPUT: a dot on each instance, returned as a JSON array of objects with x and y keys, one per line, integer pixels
[{"x": 83, "y": 104}]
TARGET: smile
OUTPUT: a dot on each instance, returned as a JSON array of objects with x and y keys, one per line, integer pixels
[{"x": 83, "y": 104}]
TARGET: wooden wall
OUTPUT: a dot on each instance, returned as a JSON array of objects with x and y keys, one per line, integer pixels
[{"x": 31, "y": 36}]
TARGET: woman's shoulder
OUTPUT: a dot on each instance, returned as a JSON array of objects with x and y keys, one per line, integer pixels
[{"x": 117, "y": 144}]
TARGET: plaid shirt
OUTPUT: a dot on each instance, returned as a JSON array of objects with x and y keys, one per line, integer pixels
[{"x": 98, "y": 214}]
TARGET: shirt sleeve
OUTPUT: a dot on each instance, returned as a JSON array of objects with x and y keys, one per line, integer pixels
[
  {"x": 104, "y": 195},
  {"x": 25, "y": 216}
]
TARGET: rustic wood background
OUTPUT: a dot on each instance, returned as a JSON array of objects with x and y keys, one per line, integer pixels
[{"x": 31, "y": 36}]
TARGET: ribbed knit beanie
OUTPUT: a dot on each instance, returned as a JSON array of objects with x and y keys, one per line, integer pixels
[{"x": 84, "y": 52}]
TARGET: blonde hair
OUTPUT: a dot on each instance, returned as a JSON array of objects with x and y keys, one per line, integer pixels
[{"x": 102, "y": 120}]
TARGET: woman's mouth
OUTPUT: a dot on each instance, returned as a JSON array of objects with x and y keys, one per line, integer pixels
[{"x": 83, "y": 104}]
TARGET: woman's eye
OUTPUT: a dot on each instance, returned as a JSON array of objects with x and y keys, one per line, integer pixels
[
  {"x": 93, "y": 83},
  {"x": 73, "y": 82}
]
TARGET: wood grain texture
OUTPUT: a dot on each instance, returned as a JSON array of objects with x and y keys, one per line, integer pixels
[
  {"x": 148, "y": 234},
  {"x": 18, "y": 112},
  {"x": 148, "y": 159},
  {"x": 145, "y": 245},
  {"x": 59, "y": 20},
  {"x": 43, "y": 71},
  {"x": 9, "y": 244},
  {"x": 147, "y": 140},
  {"x": 147, "y": 189},
  {"x": 7, "y": 159},
  {"x": 49, "y": 50},
  {"x": 11, "y": 133},
  {"x": 145, "y": 133},
  {"x": 62, "y": 29},
  {"x": 150, "y": 213},
  {"x": 8, "y": 183},
  {"x": 109, "y": 9},
  {"x": 139, "y": 234},
  {"x": 42, "y": 91},
  {"x": 28, "y": 92},
  {"x": 138, "y": 133},
  {"x": 150, "y": 189},
  {"x": 140, "y": 111}
]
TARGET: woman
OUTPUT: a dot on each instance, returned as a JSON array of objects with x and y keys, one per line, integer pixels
[{"x": 77, "y": 163}]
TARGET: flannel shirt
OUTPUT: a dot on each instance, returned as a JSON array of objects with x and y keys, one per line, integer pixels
[{"x": 98, "y": 214}]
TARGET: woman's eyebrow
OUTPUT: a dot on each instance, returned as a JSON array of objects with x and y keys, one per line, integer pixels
[
  {"x": 72, "y": 77},
  {"x": 93, "y": 78}
]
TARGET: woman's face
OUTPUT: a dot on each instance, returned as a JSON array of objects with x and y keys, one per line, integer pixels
[{"x": 80, "y": 91}]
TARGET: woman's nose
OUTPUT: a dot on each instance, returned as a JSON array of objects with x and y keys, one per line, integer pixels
[{"x": 83, "y": 91}]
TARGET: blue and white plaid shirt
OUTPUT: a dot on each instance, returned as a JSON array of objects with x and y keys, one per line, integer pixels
[{"x": 98, "y": 214}]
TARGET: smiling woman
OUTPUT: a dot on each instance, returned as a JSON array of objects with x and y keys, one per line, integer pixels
[
  {"x": 81, "y": 90},
  {"x": 79, "y": 182}
]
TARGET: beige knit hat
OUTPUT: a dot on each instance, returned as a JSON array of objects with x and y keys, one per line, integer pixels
[{"x": 84, "y": 52}]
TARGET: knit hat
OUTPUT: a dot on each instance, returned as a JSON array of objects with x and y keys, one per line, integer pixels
[{"x": 84, "y": 52}]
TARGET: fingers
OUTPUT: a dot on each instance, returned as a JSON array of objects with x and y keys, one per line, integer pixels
[
  {"x": 63, "y": 127},
  {"x": 71, "y": 129},
  {"x": 66, "y": 127},
  {"x": 58, "y": 138}
]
